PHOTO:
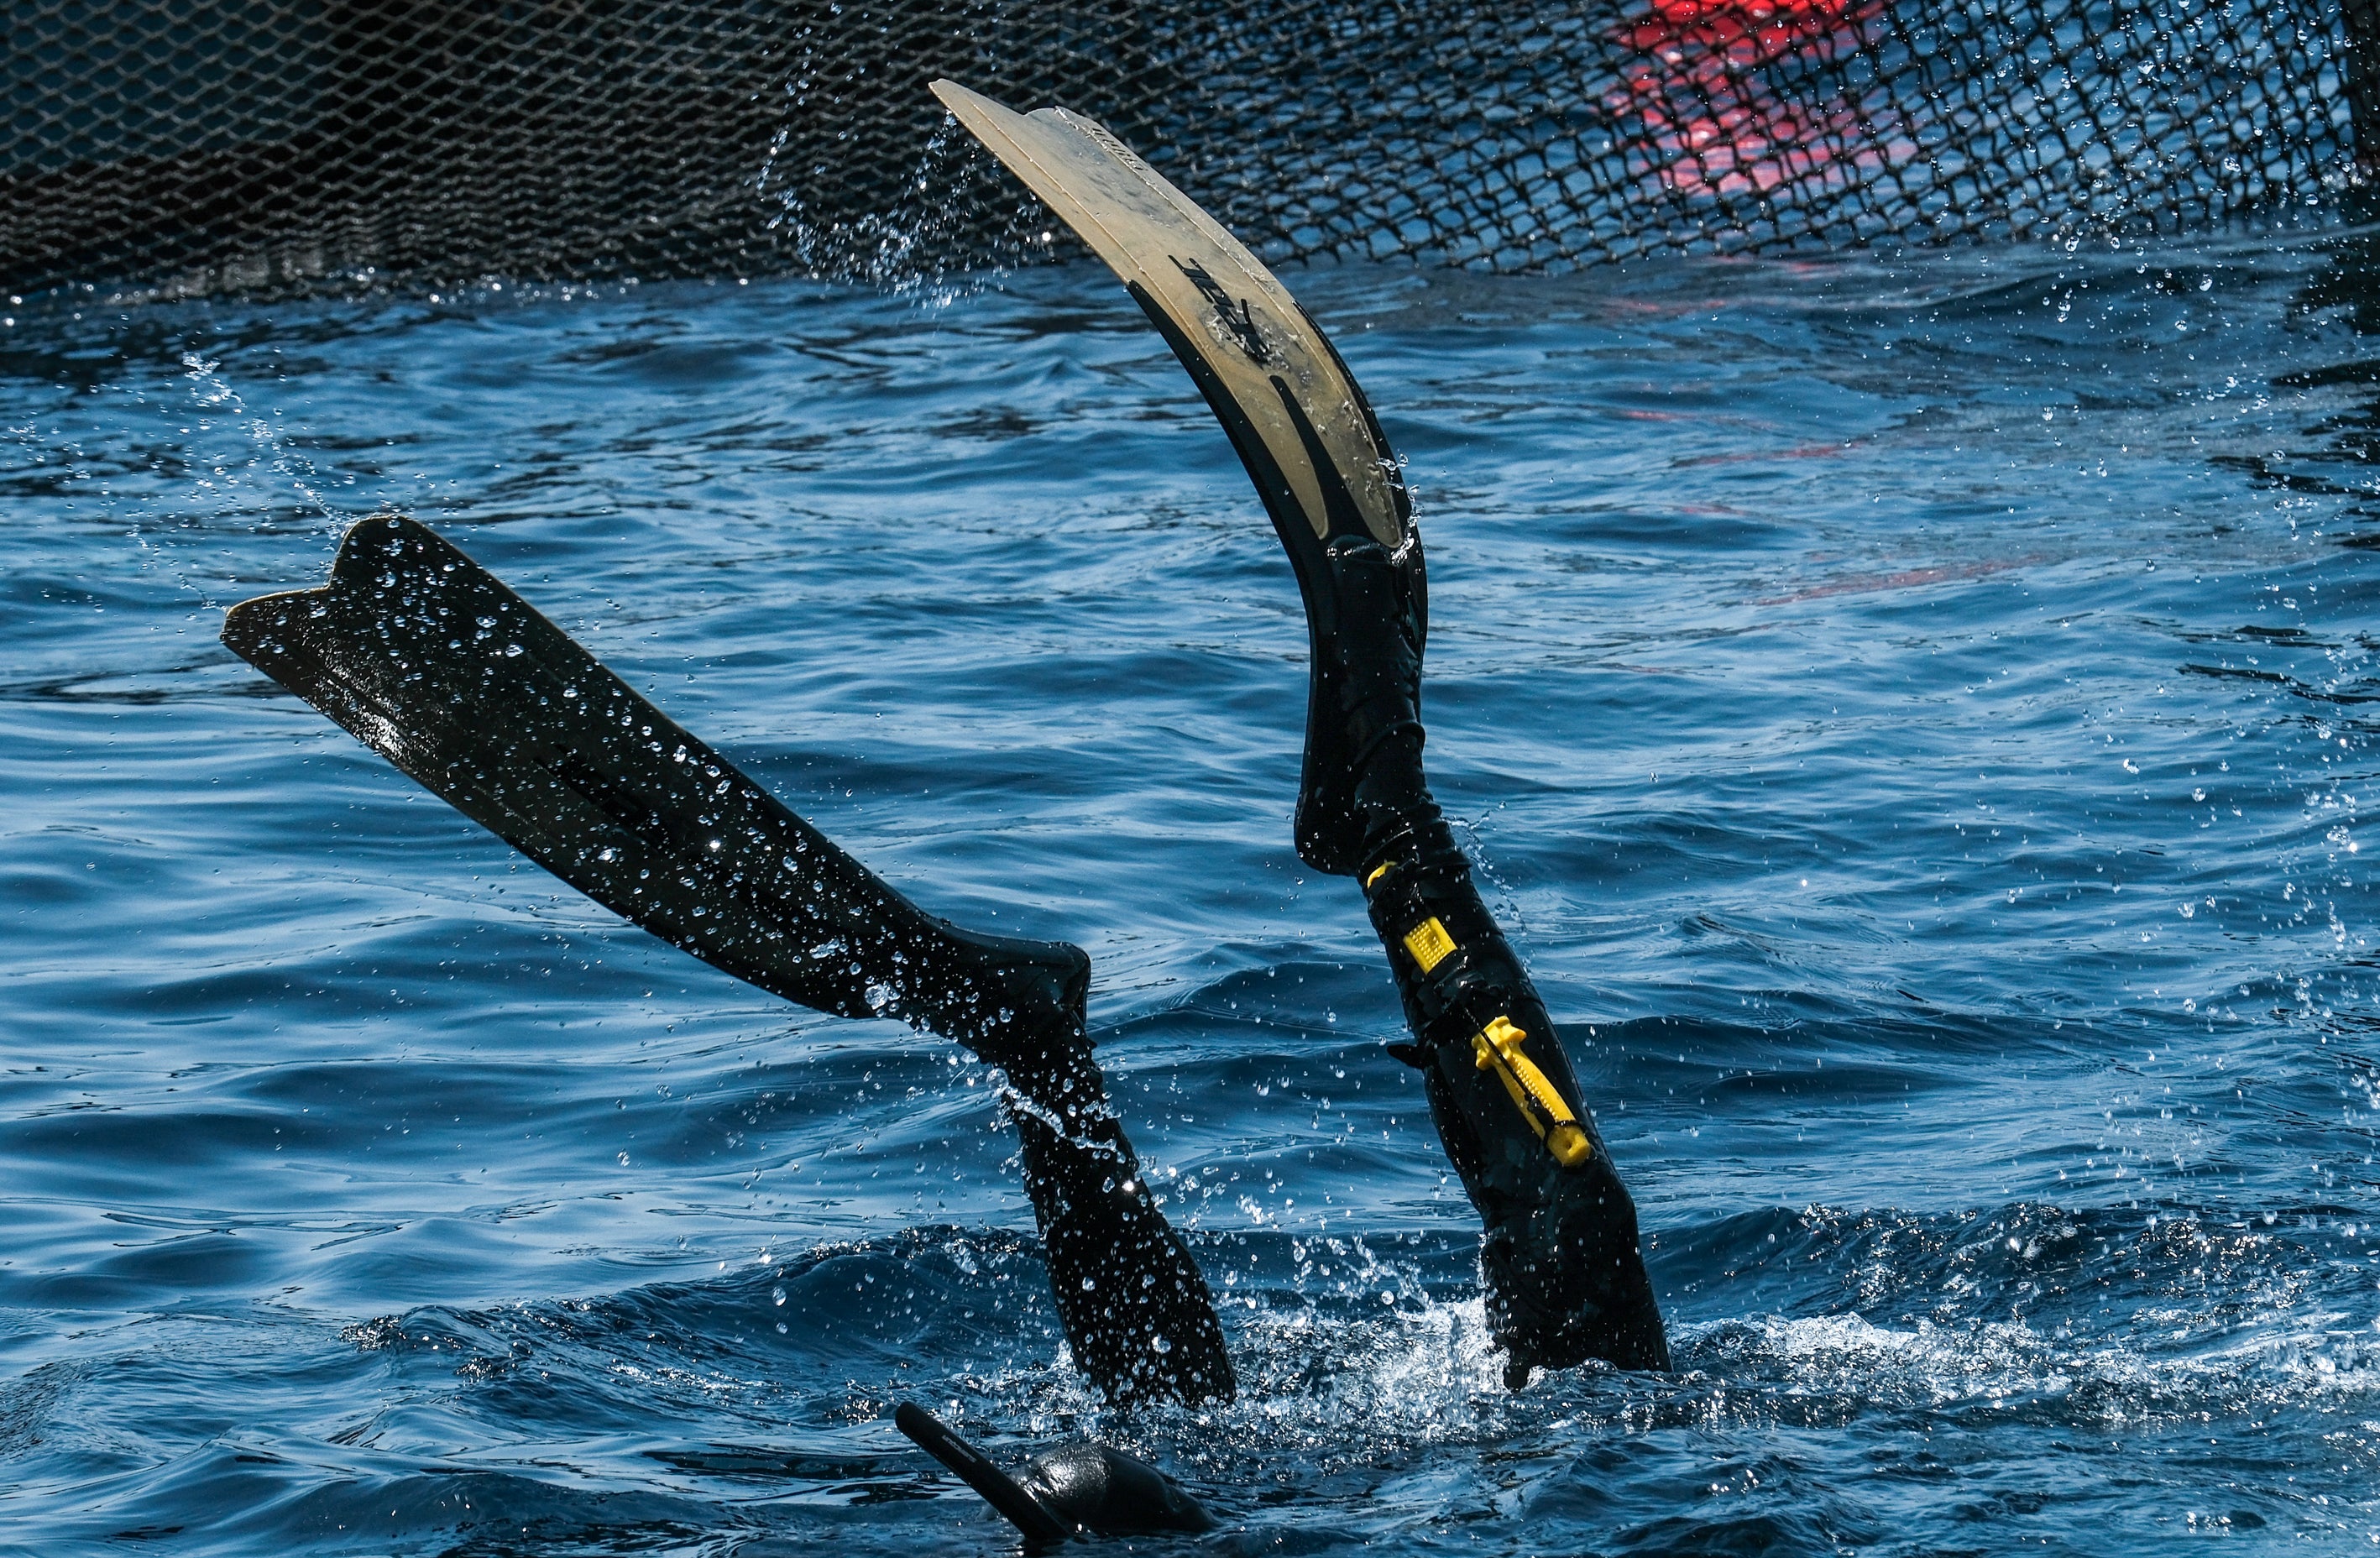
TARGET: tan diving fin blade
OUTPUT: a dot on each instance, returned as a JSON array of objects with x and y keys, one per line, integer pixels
[{"x": 1296, "y": 416}]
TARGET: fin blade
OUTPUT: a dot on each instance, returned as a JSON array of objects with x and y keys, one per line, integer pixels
[
  {"x": 462, "y": 685},
  {"x": 1300, "y": 420}
]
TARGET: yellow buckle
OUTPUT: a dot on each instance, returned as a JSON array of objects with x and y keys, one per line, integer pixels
[{"x": 1429, "y": 943}]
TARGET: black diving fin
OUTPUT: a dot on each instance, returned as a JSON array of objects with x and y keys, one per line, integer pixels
[
  {"x": 436, "y": 664},
  {"x": 1077, "y": 1489},
  {"x": 1294, "y": 413}
]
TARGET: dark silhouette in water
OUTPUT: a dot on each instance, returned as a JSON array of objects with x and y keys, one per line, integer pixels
[{"x": 1074, "y": 1489}]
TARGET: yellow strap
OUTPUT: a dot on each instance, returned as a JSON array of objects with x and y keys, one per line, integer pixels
[
  {"x": 1498, "y": 1045},
  {"x": 1429, "y": 943},
  {"x": 1383, "y": 869}
]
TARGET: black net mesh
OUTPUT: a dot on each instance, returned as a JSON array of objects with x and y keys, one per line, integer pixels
[{"x": 289, "y": 144}]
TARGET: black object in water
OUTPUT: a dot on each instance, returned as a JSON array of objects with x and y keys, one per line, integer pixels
[
  {"x": 1076, "y": 1489},
  {"x": 436, "y": 664}
]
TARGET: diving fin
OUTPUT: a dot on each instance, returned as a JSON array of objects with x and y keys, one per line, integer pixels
[
  {"x": 1564, "y": 1264},
  {"x": 460, "y": 683},
  {"x": 438, "y": 666},
  {"x": 1294, "y": 414},
  {"x": 1076, "y": 1489}
]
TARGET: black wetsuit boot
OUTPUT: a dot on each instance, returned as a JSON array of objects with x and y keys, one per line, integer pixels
[
  {"x": 1135, "y": 1311},
  {"x": 1566, "y": 1279}
]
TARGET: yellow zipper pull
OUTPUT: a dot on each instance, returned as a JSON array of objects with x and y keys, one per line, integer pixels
[{"x": 1498, "y": 1046}]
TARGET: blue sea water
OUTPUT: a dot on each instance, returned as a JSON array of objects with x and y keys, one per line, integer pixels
[{"x": 1915, "y": 714}]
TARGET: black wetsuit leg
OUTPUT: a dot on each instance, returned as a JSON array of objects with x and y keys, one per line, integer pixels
[
  {"x": 1566, "y": 1278},
  {"x": 1135, "y": 1308}
]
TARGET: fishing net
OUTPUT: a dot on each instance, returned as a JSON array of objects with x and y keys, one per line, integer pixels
[{"x": 263, "y": 145}]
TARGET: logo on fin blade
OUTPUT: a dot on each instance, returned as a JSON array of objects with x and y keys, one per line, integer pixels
[{"x": 1233, "y": 314}]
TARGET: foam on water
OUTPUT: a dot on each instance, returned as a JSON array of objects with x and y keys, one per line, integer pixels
[{"x": 1913, "y": 713}]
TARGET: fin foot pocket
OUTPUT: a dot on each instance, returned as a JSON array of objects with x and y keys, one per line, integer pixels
[{"x": 1364, "y": 699}]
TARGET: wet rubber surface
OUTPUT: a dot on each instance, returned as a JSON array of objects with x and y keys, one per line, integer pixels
[{"x": 1915, "y": 717}]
